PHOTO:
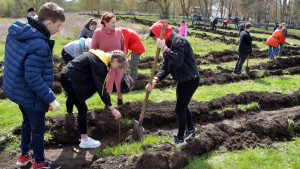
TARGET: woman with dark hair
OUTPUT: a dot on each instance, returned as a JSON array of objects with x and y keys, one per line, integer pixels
[
  {"x": 88, "y": 29},
  {"x": 109, "y": 38},
  {"x": 84, "y": 76}
]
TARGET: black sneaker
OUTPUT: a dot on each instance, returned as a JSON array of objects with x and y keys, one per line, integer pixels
[
  {"x": 179, "y": 142},
  {"x": 46, "y": 165},
  {"x": 120, "y": 102},
  {"x": 188, "y": 134}
]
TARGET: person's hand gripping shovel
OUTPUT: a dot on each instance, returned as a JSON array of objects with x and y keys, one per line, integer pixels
[{"x": 138, "y": 130}]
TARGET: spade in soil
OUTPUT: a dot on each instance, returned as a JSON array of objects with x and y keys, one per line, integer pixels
[{"x": 138, "y": 129}]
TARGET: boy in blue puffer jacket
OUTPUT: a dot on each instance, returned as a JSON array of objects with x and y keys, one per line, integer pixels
[{"x": 28, "y": 78}]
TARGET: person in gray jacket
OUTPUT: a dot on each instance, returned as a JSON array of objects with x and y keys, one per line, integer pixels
[
  {"x": 75, "y": 48},
  {"x": 88, "y": 29}
]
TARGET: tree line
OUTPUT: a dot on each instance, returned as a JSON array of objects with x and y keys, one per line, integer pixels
[{"x": 259, "y": 10}]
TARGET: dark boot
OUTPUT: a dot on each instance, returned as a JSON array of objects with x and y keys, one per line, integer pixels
[{"x": 120, "y": 102}]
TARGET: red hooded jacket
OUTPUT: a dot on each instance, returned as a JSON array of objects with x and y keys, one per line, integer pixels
[
  {"x": 157, "y": 27},
  {"x": 132, "y": 41}
]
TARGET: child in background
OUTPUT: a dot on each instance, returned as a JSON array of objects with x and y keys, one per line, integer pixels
[
  {"x": 75, "y": 48},
  {"x": 183, "y": 28}
]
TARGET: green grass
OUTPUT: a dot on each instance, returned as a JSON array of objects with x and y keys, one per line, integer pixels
[
  {"x": 283, "y": 155},
  {"x": 231, "y": 65},
  {"x": 201, "y": 46},
  {"x": 2, "y": 49},
  {"x": 11, "y": 147},
  {"x": 283, "y": 84},
  {"x": 132, "y": 149}
]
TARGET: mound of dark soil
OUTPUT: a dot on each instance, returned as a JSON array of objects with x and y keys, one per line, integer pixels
[{"x": 164, "y": 156}]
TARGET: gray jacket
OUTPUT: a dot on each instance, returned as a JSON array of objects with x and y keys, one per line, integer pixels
[
  {"x": 86, "y": 33},
  {"x": 75, "y": 48}
]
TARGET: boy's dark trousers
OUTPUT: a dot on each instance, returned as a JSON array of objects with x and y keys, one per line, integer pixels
[
  {"x": 184, "y": 94},
  {"x": 66, "y": 56},
  {"x": 239, "y": 63},
  {"x": 214, "y": 27},
  {"x": 72, "y": 99},
  {"x": 33, "y": 125}
]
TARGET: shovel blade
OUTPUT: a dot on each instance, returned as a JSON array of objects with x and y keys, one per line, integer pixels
[
  {"x": 247, "y": 69},
  {"x": 138, "y": 131}
]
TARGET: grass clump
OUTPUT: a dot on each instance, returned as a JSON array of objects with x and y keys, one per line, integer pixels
[
  {"x": 133, "y": 148},
  {"x": 280, "y": 155}
]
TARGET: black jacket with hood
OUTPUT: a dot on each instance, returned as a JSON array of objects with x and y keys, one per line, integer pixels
[
  {"x": 179, "y": 61},
  {"x": 87, "y": 74}
]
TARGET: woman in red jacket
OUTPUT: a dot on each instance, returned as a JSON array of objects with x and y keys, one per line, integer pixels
[
  {"x": 273, "y": 42},
  {"x": 134, "y": 43},
  {"x": 108, "y": 38}
]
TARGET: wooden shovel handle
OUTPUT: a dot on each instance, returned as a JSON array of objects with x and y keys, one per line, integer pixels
[{"x": 162, "y": 33}]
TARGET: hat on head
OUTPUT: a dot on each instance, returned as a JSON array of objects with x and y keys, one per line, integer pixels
[
  {"x": 88, "y": 42},
  {"x": 30, "y": 9}
]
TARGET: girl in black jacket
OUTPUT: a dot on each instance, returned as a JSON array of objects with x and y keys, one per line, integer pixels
[
  {"x": 179, "y": 61},
  {"x": 84, "y": 76}
]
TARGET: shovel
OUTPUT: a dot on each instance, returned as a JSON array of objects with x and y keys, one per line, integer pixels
[
  {"x": 247, "y": 67},
  {"x": 138, "y": 129}
]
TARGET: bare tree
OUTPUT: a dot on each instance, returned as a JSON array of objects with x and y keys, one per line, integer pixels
[
  {"x": 185, "y": 6},
  {"x": 221, "y": 7},
  {"x": 206, "y": 14},
  {"x": 268, "y": 3},
  {"x": 283, "y": 7},
  {"x": 164, "y": 6}
]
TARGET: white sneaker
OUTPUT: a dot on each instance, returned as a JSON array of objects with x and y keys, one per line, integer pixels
[{"x": 89, "y": 143}]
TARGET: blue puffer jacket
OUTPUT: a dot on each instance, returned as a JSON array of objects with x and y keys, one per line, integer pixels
[{"x": 28, "y": 66}]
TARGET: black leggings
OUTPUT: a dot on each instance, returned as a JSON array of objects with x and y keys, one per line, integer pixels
[
  {"x": 184, "y": 94},
  {"x": 71, "y": 100},
  {"x": 66, "y": 56}
]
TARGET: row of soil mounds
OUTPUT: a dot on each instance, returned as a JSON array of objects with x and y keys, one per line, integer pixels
[
  {"x": 228, "y": 34},
  {"x": 234, "y": 128},
  {"x": 252, "y": 130},
  {"x": 253, "y": 31},
  {"x": 231, "y": 34},
  {"x": 209, "y": 77},
  {"x": 217, "y": 57},
  {"x": 64, "y": 127}
]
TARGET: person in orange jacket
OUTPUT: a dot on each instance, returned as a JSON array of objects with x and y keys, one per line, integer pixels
[
  {"x": 134, "y": 43},
  {"x": 273, "y": 42},
  {"x": 283, "y": 25}
]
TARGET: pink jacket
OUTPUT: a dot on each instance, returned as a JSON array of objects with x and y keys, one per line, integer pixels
[
  {"x": 182, "y": 30},
  {"x": 108, "y": 40}
]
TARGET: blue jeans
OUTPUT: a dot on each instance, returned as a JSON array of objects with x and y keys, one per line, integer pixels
[
  {"x": 236, "y": 25},
  {"x": 33, "y": 125},
  {"x": 239, "y": 63},
  {"x": 272, "y": 51},
  {"x": 281, "y": 49}
]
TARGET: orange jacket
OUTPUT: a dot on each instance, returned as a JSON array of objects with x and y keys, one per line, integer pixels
[
  {"x": 275, "y": 39},
  {"x": 132, "y": 41}
]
